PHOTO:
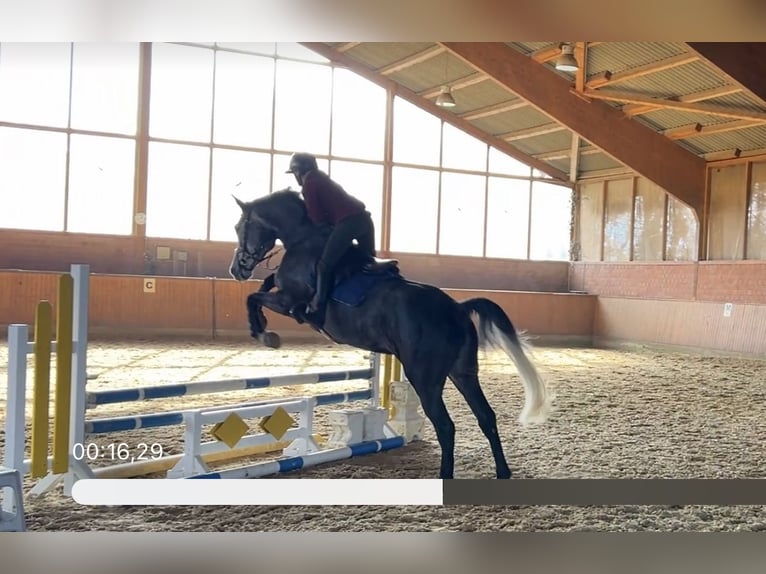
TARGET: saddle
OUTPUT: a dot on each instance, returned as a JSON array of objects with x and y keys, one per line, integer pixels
[{"x": 377, "y": 265}]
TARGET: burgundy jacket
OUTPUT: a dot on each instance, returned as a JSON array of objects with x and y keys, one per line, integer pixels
[{"x": 326, "y": 201}]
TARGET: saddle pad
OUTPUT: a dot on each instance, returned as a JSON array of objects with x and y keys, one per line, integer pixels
[{"x": 353, "y": 290}]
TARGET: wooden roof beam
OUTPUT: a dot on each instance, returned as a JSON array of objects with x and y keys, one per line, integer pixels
[
  {"x": 702, "y": 108},
  {"x": 740, "y": 61},
  {"x": 546, "y": 54},
  {"x": 637, "y": 72},
  {"x": 640, "y": 148},
  {"x": 637, "y": 109},
  {"x": 412, "y": 60},
  {"x": 720, "y": 128},
  {"x": 432, "y": 108}
]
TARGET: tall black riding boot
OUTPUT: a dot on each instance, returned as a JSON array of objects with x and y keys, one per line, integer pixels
[{"x": 318, "y": 304}]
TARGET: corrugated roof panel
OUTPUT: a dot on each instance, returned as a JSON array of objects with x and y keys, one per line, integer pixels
[
  {"x": 435, "y": 71},
  {"x": 668, "y": 119},
  {"x": 555, "y": 141},
  {"x": 511, "y": 121},
  {"x": 742, "y": 100},
  {"x": 618, "y": 56},
  {"x": 481, "y": 95},
  {"x": 744, "y": 139},
  {"x": 681, "y": 80},
  {"x": 375, "y": 55},
  {"x": 596, "y": 161},
  {"x": 529, "y": 47}
]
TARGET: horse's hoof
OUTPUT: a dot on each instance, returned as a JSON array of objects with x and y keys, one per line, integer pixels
[{"x": 272, "y": 340}]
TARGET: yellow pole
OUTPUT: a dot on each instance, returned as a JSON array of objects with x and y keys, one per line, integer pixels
[
  {"x": 42, "y": 383},
  {"x": 385, "y": 399},
  {"x": 397, "y": 376},
  {"x": 63, "y": 390}
]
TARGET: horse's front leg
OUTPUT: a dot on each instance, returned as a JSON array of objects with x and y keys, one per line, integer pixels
[{"x": 278, "y": 302}]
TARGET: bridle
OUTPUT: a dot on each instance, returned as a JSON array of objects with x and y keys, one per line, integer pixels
[{"x": 250, "y": 256}]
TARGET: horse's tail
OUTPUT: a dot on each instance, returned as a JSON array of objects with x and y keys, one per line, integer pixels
[{"x": 496, "y": 330}]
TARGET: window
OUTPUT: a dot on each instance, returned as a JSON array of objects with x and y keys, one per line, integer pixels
[
  {"x": 417, "y": 135},
  {"x": 35, "y": 83},
  {"x": 182, "y": 93},
  {"x": 244, "y": 90},
  {"x": 551, "y": 216},
  {"x": 358, "y": 117},
  {"x": 177, "y": 191},
  {"x": 461, "y": 225},
  {"x": 32, "y": 176},
  {"x": 101, "y": 185},
  {"x": 302, "y": 107},
  {"x": 104, "y": 94},
  {"x": 504, "y": 164},
  {"x": 364, "y": 181},
  {"x": 243, "y": 174},
  {"x": 462, "y": 151},
  {"x": 414, "y": 208},
  {"x": 507, "y": 217}
]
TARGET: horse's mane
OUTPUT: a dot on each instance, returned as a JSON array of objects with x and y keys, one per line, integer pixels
[{"x": 284, "y": 205}]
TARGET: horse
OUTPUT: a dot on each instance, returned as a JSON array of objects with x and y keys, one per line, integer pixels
[{"x": 432, "y": 335}]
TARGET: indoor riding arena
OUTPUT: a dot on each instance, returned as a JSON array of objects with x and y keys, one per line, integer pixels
[{"x": 609, "y": 198}]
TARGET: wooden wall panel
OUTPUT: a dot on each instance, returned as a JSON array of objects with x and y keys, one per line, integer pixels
[
  {"x": 728, "y": 198},
  {"x": 735, "y": 282},
  {"x": 695, "y": 324},
  {"x": 649, "y": 221},
  {"x": 681, "y": 235},
  {"x": 591, "y": 221},
  {"x": 618, "y": 218},
  {"x": 40, "y": 251},
  {"x": 495, "y": 274},
  {"x": 756, "y": 213}
]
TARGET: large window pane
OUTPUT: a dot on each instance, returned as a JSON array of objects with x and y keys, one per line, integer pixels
[
  {"x": 414, "y": 205},
  {"x": 358, "y": 117},
  {"x": 32, "y": 175},
  {"x": 364, "y": 181},
  {"x": 182, "y": 92},
  {"x": 34, "y": 83},
  {"x": 302, "y": 108},
  {"x": 463, "y": 151},
  {"x": 507, "y": 218},
  {"x": 502, "y": 163},
  {"x": 551, "y": 217},
  {"x": 243, "y": 100},
  {"x": 105, "y": 87},
  {"x": 462, "y": 215},
  {"x": 243, "y": 174},
  {"x": 417, "y": 134},
  {"x": 101, "y": 185},
  {"x": 177, "y": 191}
]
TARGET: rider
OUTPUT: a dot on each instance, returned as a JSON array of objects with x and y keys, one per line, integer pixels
[{"x": 328, "y": 203}]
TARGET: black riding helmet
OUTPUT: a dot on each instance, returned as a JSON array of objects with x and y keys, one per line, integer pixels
[{"x": 301, "y": 163}]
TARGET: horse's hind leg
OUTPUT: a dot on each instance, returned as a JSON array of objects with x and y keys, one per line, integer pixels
[
  {"x": 465, "y": 376},
  {"x": 429, "y": 385}
]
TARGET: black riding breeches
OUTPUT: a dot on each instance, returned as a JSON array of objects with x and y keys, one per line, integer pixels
[{"x": 359, "y": 227}]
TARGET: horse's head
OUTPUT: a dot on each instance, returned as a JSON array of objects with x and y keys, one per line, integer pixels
[{"x": 256, "y": 238}]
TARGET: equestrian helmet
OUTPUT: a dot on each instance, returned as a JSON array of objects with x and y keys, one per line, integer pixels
[{"x": 302, "y": 163}]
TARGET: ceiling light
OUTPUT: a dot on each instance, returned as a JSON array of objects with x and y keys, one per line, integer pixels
[
  {"x": 566, "y": 61},
  {"x": 445, "y": 99}
]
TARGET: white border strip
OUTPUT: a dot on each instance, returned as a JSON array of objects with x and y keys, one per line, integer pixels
[{"x": 268, "y": 492}]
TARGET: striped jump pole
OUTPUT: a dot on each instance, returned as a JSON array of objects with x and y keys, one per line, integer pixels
[
  {"x": 306, "y": 461},
  {"x": 118, "y": 424},
  {"x": 97, "y": 398}
]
